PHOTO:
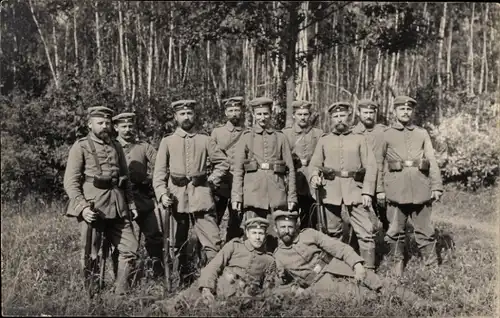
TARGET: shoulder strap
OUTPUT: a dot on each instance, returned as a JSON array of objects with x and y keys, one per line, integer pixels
[
  {"x": 94, "y": 154},
  {"x": 120, "y": 157},
  {"x": 235, "y": 140}
]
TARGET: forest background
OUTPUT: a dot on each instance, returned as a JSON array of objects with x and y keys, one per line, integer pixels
[{"x": 61, "y": 56}]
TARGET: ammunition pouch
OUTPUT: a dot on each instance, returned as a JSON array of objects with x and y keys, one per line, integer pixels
[
  {"x": 182, "y": 181},
  {"x": 422, "y": 165},
  {"x": 250, "y": 166},
  {"x": 279, "y": 167},
  {"x": 359, "y": 175},
  {"x": 102, "y": 182}
]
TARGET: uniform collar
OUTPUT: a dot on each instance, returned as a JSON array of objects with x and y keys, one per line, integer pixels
[
  {"x": 231, "y": 127},
  {"x": 182, "y": 133},
  {"x": 347, "y": 132},
  {"x": 260, "y": 130},
  {"x": 96, "y": 139},
  {"x": 298, "y": 129},
  {"x": 250, "y": 247},
  {"x": 124, "y": 143},
  {"x": 397, "y": 125}
]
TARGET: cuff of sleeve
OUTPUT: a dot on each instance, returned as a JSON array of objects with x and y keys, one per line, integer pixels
[
  {"x": 236, "y": 198},
  {"x": 81, "y": 206}
]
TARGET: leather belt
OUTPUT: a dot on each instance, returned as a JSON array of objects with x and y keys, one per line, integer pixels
[{"x": 114, "y": 181}]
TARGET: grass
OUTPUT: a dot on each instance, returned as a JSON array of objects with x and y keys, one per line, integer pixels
[{"x": 40, "y": 271}]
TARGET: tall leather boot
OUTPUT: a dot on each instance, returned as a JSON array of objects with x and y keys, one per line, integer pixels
[
  {"x": 397, "y": 252},
  {"x": 122, "y": 284},
  {"x": 369, "y": 257},
  {"x": 155, "y": 252}
]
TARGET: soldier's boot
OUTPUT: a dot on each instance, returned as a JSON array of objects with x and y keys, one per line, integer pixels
[
  {"x": 397, "y": 253},
  {"x": 155, "y": 252},
  {"x": 430, "y": 255},
  {"x": 114, "y": 262},
  {"x": 185, "y": 273},
  {"x": 122, "y": 284},
  {"x": 369, "y": 256}
]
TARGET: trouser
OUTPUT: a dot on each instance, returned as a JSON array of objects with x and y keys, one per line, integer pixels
[
  {"x": 360, "y": 221},
  {"x": 272, "y": 236},
  {"x": 120, "y": 234},
  {"x": 233, "y": 224},
  {"x": 308, "y": 217},
  {"x": 149, "y": 226},
  {"x": 381, "y": 211},
  {"x": 370, "y": 287},
  {"x": 421, "y": 219},
  {"x": 206, "y": 229}
]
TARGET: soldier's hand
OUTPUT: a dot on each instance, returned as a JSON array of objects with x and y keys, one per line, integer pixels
[
  {"x": 381, "y": 197},
  {"x": 291, "y": 206},
  {"x": 134, "y": 214},
  {"x": 436, "y": 195},
  {"x": 316, "y": 182},
  {"x": 207, "y": 296},
  {"x": 359, "y": 272},
  {"x": 367, "y": 201},
  {"x": 236, "y": 206},
  {"x": 88, "y": 215},
  {"x": 166, "y": 200}
]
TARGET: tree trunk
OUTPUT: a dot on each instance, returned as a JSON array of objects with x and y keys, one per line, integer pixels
[
  {"x": 150, "y": 59},
  {"x": 139, "y": 58},
  {"x": 170, "y": 45},
  {"x": 290, "y": 68},
  {"x": 449, "y": 72},
  {"x": 439, "y": 62},
  {"x": 45, "y": 46},
  {"x": 156, "y": 72},
  {"x": 66, "y": 37},
  {"x": 75, "y": 39},
  {"x": 484, "y": 61},
  {"x": 56, "y": 55},
  {"x": 98, "y": 43},
  {"x": 127, "y": 66},
  {"x": 471, "y": 53},
  {"x": 122, "y": 49}
]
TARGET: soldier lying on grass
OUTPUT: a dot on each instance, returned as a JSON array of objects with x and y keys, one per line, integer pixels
[
  {"x": 241, "y": 268},
  {"x": 310, "y": 262}
]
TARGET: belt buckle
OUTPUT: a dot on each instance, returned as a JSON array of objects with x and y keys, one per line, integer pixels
[
  {"x": 408, "y": 163},
  {"x": 264, "y": 166},
  {"x": 344, "y": 174},
  {"x": 304, "y": 162}
]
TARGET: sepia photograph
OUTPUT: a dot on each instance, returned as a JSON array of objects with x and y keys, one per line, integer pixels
[{"x": 250, "y": 158}]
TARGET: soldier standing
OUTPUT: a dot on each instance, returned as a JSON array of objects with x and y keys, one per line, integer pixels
[
  {"x": 262, "y": 161},
  {"x": 226, "y": 138},
  {"x": 181, "y": 168},
  {"x": 139, "y": 155},
  {"x": 373, "y": 133},
  {"x": 344, "y": 164},
  {"x": 100, "y": 163},
  {"x": 412, "y": 180},
  {"x": 303, "y": 138}
]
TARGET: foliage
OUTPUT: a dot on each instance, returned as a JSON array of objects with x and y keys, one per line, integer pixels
[{"x": 468, "y": 147}]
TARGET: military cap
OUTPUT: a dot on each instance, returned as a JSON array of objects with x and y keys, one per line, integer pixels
[
  {"x": 236, "y": 101},
  {"x": 183, "y": 104},
  {"x": 124, "y": 118},
  {"x": 367, "y": 103},
  {"x": 100, "y": 111},
  {"x": 404, "y": 101},
  {"x": 285, "y": 215},
  {"x": 257, "y": 223},
  {"x": 261, "y": 102},
  {"x": 301, "y": 104},
  {"x": 339, "y": 107}
]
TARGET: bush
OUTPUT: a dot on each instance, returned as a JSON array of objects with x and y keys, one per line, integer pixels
[{"x": 467, "y": 153}]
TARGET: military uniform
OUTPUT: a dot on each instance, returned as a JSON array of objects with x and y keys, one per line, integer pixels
[
  {"x": 262, "y": 160},
  {"x": 138, "y": 155},
  {"x": 112, "y": 202},
  {"x": 302, "y": 142},
  {"x": 410, "y": 174},
  {"x": 239, "y": 269},
  {"x": 374, "y": 137},
  {"x": 343, "y": 155},
  {"x": 180, "y": 167},
  {"x": 318, "y": 263},
  {"x": 226, "y": 138}
]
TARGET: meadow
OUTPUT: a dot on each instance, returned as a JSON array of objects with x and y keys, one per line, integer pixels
[{"x": 41, "y": 277}]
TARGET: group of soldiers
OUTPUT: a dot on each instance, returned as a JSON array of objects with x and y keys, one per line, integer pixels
[{"x": 269, "y": 181}]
